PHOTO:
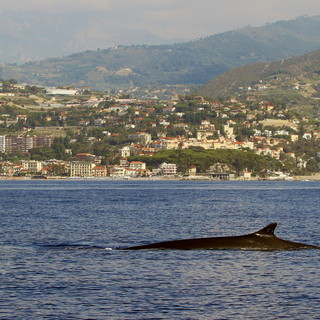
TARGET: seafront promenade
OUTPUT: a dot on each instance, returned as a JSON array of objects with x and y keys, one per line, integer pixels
[{"x": 314, "y": 177}]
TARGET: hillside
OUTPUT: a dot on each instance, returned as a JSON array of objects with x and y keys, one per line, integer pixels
[
  {"x": 190, "y": 63},
  {"x": 295, "y": 81}
]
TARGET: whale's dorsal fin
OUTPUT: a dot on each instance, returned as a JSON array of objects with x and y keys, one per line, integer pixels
[{"x": 267, "y": 231}]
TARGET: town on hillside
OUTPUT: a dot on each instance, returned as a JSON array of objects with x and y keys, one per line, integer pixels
[{"x": 70, "y": 132}]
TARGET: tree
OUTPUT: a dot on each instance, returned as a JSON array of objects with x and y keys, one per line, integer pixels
[
  {"x": 58, "y": 170},
  {"x": 101, "y": 148},
  {"x": 41, "y": 153},
  {"x": 203, "y": 159},
  {"x": 32, "y": 89},
  {"x": 312, "y": 165},
  {"x": 59, "y": 145},
  {"x": 80, "y": 147}
]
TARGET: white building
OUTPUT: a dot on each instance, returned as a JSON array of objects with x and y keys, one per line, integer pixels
[
  {"x": 2, "y": 144},
  {"x": 168, "y": 169},
  {"x": 118, "y": 171},
  {"x": 81, "y": 168},
  {"x": 229, "y": 131},
  {"x": 125, "y": 152},
  {"x": 131, "y": 172},
  {"x": 246, "y": 175},
  {"x": 69, "y": 92},
  {"x": 307, "y": 135},
  {"x": 143, "y": 138},
  {"x": 137, "y": 165},
  {"x": 32, "y": 165}
]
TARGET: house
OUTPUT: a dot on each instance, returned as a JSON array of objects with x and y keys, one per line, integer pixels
[
  {"x": 22, "y": 117},
  {"x": 307, "y": 135},
  {"x": 142, "y": 137},
  {"x": 164, "y": 122},
  {"x": 281, "y": 133},
  {"x": 57, "y": 91},
  {"x": 294, "y": 137},
  {"x": 99, "y": 171},
  {"x": 269, "y": 107},
  {"x": 217, "y": 145},
  {"x": 246, "y": 175},
  {"x": 228, "y": 131},
  {"x": 168, "y": 169},
  {"x": 181, "y": 126},
  {"x": 206, "y": 125},
  {"x": 169, "y": 109},
  {"x": 131, "y": 172},
  {"x": 156, "y": 145},
  {"x": 124, "y": 162},
  {"x": 137, "y": 165},
  {"x": 316, "y": 134},
  {"x": 125, "y": 152},
  {"x": 204, "y": 134},
  {"x": 99, "y": 122},
  {"x": 9, "y": 169},
  {"x": 32, "y": 166},
  {"x": 117, "y": 171},
  {"x": 87, "y": 157},
  {"x": 120, "y": 109},
  {"x": 192, "y": 171}
]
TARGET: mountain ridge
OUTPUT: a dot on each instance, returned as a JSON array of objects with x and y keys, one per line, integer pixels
[
  {"x": 192, "y": 63},
  {"x": 57, "y": 35}
]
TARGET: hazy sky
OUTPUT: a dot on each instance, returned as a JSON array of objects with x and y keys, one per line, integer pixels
[{"x": 187, "y": 19}]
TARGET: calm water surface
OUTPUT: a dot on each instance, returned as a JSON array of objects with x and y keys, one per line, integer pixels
[{"x": 60, "y": 258}]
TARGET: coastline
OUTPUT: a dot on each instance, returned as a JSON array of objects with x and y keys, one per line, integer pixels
[{"x": 314, "y": 177}]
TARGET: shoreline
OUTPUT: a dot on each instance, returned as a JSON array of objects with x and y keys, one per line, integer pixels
[{"x": 314, "y": 177}]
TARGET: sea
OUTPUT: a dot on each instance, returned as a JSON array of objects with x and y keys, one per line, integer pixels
[{"x": 61, "y": 257}]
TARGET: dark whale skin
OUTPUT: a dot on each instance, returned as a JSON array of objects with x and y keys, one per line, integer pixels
[{"x": 263, "y": 239}]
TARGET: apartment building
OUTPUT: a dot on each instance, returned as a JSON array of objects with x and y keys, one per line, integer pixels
[
  {"x": 10, "y": 144},
  {"x": 81, "y": 168},
  {"x": 32, "y": 165},
  {"x": 3, "y": 144},
  {"x": 168, "y": 169}
]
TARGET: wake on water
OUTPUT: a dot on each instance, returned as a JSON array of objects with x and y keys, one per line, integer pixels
[{"x": 68, "y": 246}]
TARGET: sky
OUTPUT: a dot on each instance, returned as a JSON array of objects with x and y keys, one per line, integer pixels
[
  {"x": 32, "y": 30},
  {"x": 187, "y": 19}
]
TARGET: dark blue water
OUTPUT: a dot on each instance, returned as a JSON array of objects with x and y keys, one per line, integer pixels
[{"x": 57, "y": 262}]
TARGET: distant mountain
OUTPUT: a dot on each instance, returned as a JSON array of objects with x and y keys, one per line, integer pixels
[
  {"x": 192, "y": 63},
  {"x": 55, "y": 35}
]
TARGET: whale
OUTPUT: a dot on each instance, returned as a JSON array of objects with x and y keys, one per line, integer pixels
[{"x": 263, "y": 239}]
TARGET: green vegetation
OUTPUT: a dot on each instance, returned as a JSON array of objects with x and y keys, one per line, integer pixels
[
  {"x": 225, "y": 134},
  {"x": 291, "y": 83},
  {"x": 194, "y": 62},
  {"x": 236, "y": 160}
]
